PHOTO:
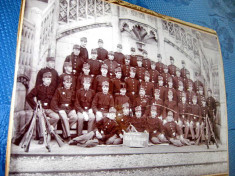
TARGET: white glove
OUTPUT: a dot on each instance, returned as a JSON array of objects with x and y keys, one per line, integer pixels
[
  {"x": 90, "y": 111},
  {"x": 99, "y": 115},
  {"x": 98, "y": 135}
]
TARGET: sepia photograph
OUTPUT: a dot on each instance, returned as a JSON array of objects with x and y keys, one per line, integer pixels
[{"x": 107, "y": 88}]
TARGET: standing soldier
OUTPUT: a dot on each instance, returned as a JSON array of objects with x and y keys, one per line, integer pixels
[
  {"x": 68, "y": 70},
  {"x": 94, "y": 63},
  {"x": 177, "y": 79},
  {"x": 112, "y": 65},
  {"x": 126, "y": 68},
  {"x": 170, "y": 88},
  {"x": 187, "y": 81},
  {"x": 180, "y": 92},
  {"x": 102, "y": 53},
  {"x": 161, "y": 88},
  {"x": 139, "y": 69},
  {"x": 148, "y": 86},
  {"x": 190, "y": 93},
  {"x": 99, "y": 79},
  {"x": 165, "y": 76},
  {"x": 146, "y": 60},
  {"x": 86, "y": 71},
  {"x": 63, "y": 103},
  {"x": 115, "y": 83},
  {"x": 183, "y": 70},
  {"x": 133, "y": 58},
  {"x": 170, "y": 105},
  {"x": 121, "y": 98},
  {"x": 196, "y": 115},
  {"x": 159, "y": 64},
  {"x": 153, "y": 74},
  {"x": 102, "y": 102},
  {"x": 132, "y": 86},
  {"x": 172, "y": 67},
  {"x": 50, "y": 67},
  {"x": 197, "y": 83},
  {"x": 76, "y": 59},
  {"x": 83, "y": 51},
  {"x": 158, "y": 102},
  {"x": 83, "y": 102},
  {"x": 43, "y": 93},
  {"x": 118, "y": 56}
]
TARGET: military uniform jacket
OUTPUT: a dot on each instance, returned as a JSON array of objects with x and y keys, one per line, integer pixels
[
  {"x": 211, "y": 104},
  {"x": 140, "y": 71},
  {"x": 159, "y": 104},
  {"x": 183, "y": 72},
  {"x": 97, "y": 85},
  {"x": 186, "y": 83},
  {"x": 159, "y": 67},
  {"x": 170, "y": 106},
  {"x": 199, "y": 99},
  {"x": 61, "y": 80},
  {"x": 125, "y": 71},
  {"x": 123, "y": 121},
  {"x": 195, "y": 110},
  {"x": 146, "y": 63},
  {"x": 139, "y": 123},
  {"x": 115, "y": 86},
  {"x": 183, "y": 110},
  {"x": 42, "y": 93},
  {"x": 132, "y": 85},
  {"x": 154, "y": 126},
  {"x": 197, "y": 84},
  {"x": 54, "y": 78},
  {"x": 154, "y": 76},
  {"x": 112, "y": 65},
  {"x": 119, "y": 58},
  {"x": 162, "y": 92},
  {"x": 148, "y": 87},
  {"x": 172, "y": 70},
  {"x": 63, "y": 99},
  {"x": 143, "y": 102},
  {"x": 80, "y": 81},
  {"x": 102, "y": 102},
  {"x": 94, "y": 66},
  {"x": 174, "y": 93},
  {"x": 190, "y": 95},
  {"x": 165, "y": 76},
  {"x": 120, "y": 100},
  {"x": 77, "y": 63},
  {"x": 176, "y": 81},
  {"x": 84, "y": 99},
  {"x": 109, "y": 128},
  {"x": 133, "y": 60},
  {"x": 171, "y": 130},
  {"x": 84, "y": 54},
  {"x": 180, "y": 95},
  {"x": 102, "y": 54}
]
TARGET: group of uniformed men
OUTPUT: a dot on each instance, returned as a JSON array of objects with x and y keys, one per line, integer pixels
[{"x": 118, "y": 93}]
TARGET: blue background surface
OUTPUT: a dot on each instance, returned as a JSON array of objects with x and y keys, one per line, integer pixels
[{"x": 215, "y": 14}]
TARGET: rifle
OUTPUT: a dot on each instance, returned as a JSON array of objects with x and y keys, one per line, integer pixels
[
  {"x": 212, "y": 132},
  {"x": 51, "y": 129}
]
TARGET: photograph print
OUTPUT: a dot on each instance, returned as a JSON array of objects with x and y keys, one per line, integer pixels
[{"x": 108, "y": 88}]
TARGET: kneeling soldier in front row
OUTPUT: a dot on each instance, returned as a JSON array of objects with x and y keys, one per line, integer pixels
[{"x": 63, "y": 103}]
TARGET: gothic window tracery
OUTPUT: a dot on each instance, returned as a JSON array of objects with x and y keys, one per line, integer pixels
[
  {"x": 183, "y": 37},
  {"x": 189, "y": 42},
  {"x": 164, "y": 25},
  {"x": 171, "y": 28},
  {"x": 63, "y": 10},
  {"x": 177, "y": 32}
]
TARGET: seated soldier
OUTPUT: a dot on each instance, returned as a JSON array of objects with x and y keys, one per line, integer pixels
[
  {"x": 43, "y": 93},
  {"x": 94, "y": 63},
  {"x": 170, "y": 105},
  {"x": 196, "y": 114},
  {"x": 170, "y": 88},
  {"x": 155, "y": 128},
  {"x": 81, "y": 77},
  {"x": 107, "y": 129},
  {"x": 190, "y": 94},
  {"x": 140, "y": 70},
  {"x": 138, "y": 121},
  {"x": 161, "y": 88},
  {"x": 177, "y": 79},
  {"x": 154, "y": 74},
  {"x": 157, "y": 101},
  {"x": 99, "y": 79},
  {"x": 126, "y": 68},
  {"x": 123, "y": 118},
  {"x": 180, "y": 92},
  {"x": 165, "y": 76},
  {"x": 147, "y": 85},
  {"x": 83, "y": 102},
  {"x": 102, "y": 102},
  {"x": 112, "y": 64},
  {"x": 142, "y": 100},
  {"x": 115, "y": 83},
  {"x": 63, "y": 103},
  {"x": 68, "y": 70},
  {"x": 173, "y": 132},
  {"x": 121, "y": 99}
]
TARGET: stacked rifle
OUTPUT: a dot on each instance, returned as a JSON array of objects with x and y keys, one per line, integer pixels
[{"x": 48, "y": 131}]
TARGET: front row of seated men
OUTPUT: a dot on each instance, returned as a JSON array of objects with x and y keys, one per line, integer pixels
[{"x": 108, "y": 122}]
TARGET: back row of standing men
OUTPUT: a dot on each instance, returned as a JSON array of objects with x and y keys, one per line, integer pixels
[{"x": 92, "y": 89}]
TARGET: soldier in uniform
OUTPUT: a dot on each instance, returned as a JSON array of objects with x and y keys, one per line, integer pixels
[
  {"x": 155, "y": 127},
  {"x": 76, "y": 59},
  {"x": 180, "y": 93},
  {"x": 170, "y": 88},
  {"x": 83, "y": 51},
  {"x": 139, "y": 69},
  {"x": 204, "y": 114},
  {"x": 50, "y": 67},
  {"x": 99, "y": 79},
  {"x": 183, "y": 70},
  {"x": 102, "y": 53},
  {"x": 43, "y": 93},
  {"x": 118, "y": 56},
  {"x": 126, "y": 68},
  {"x": 67, "y": 71},
  {"x": 170, "y": 105},
  {"x": 147, "y": 85},
  {"x": 187, "y": 81},
  {"x": 112, "y": 65},
  {"x": 138, "y": 121},
  {"x": 200, "y": 95},
  {"x": 172, "y": 67},
  {"x": 161, "y": 88},
  {"x": 146, "y": 60},
  {"x": 121, "y": 98},
  {"x": 63, "y": 103},
  {"x": 142, "y": 100},
  {"x": 197, "y": 83},
  {"x": 153, "y": 74},
  {"x": 165, "y": 76},
  {"x": 190, "y": 93},
  {"x": 196, "y": 115},
  {"x": 102, "y": 102},
  {"x": 83, "y": 103},
  {"x": 132, "y": 86},
  {"x": 94, "y": 63},
  {"x": 133, "y": 58},
  {"x": 123, "y": 117},
  {"x": 86, "y": 71},
  {"x": 177, "y": 79},
  {"x": 159, "y": 64},
  {"x": 115, "y": 83}
]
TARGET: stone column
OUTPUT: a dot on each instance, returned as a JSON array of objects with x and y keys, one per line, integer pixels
[
  {"x": 116, "y": 34},
  {"x": 161, "y": 43}
]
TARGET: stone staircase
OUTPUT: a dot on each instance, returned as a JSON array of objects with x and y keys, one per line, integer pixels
[{"x": 119, "y": 160}]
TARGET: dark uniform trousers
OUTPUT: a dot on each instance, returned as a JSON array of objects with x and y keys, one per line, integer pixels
[
  {"x": 123, "y": 121},
  {"x": 63, "y": 99},
  {"x": 83, "y": 105}
]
